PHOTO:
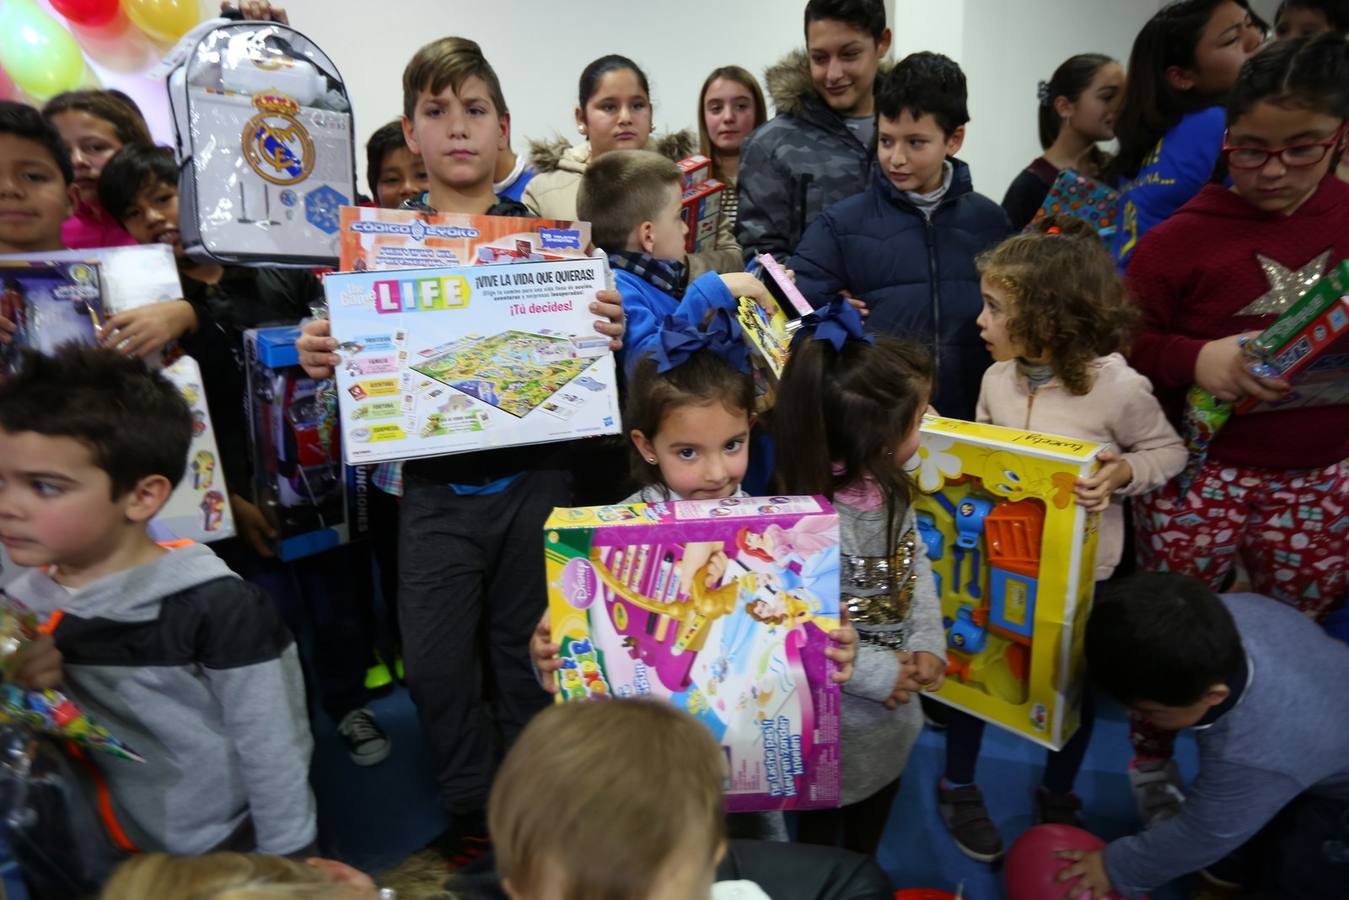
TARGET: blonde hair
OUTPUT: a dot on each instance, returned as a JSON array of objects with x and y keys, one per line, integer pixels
[
  {"x": 219, "y": 876},
  {"x": 449, "y": 62},
  {"x": 622, "y": 189},
  {"x": 605, "y": 792}
]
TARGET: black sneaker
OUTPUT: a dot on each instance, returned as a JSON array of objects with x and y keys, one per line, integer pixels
[
  {"x": 367, "y": 744},
  {"x": 1057, "y": 809},
  {"x": 966, "y": 817}
]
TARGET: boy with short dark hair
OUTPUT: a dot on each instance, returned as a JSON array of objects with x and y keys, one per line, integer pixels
[
  {"x": 471, "y": 579},
  {"x": 36, "y": 183},
  {"x": 631, "y": 198},
  {"x": 906, "y": 246},
  {"x": 817, "y": 149},
  {"x": 1262, "y": 687},
  {"x": 179, "y": 657},
  {"x": 395, "y": 174}
]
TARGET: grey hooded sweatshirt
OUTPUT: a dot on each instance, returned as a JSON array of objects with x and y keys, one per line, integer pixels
[{"x": 193, "y": 668}]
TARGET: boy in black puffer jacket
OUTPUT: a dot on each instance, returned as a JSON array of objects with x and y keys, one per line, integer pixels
[{"x": 905, "y": 247}]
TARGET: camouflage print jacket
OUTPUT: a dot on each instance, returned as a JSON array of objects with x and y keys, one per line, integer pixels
[{"x": 795, "y": 165}]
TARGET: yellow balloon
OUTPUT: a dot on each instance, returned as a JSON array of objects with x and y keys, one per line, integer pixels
[
  {"x": 163, "y": 20},
  {"x": 40, "y": 56}
]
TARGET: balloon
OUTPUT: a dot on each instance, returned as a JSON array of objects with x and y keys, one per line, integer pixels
[
  {"x": 39, "y": 55},
  {"x": 1031, "y": 865},
  {"x": 163, "y": 20},
  {"x": 7, "y": 88},
  {"x": 87, "y": 12}
]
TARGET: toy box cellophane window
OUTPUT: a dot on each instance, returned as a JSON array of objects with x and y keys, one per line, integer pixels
[{"x": 265, "y": 143}]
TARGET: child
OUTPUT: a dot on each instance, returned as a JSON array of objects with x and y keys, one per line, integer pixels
[
  {"x": 94, "y": 125},
  {"x": 1304, "y": 18},
  {"x": 817, "y": 150},
  {"x": 470, "y": 522},
  {"x": 845, "y": 422},
  {"x": 690, "y": 409},
  {"x": 614, "y": 113},
  {"x": 139, "y": 189},
  {"x": 905, "y": 247},
  {"x": 661, "y": 834},
  {"x": 1078, "y": 105},
  {"x": 1260, "y": 686},
  {"x": 395, "y": 173},
  {"x": 1055, "y": 319},
  {"x": 730, "y": 107},
  {"x": 236, "y": 876},
  {"x": 631, "y": 200},
  {"x": 1274, "y": 487},
  {"x": 37, "y": 177},
  {"x": 1170, "y": 124},
  {"x": 174, "y": 653}
]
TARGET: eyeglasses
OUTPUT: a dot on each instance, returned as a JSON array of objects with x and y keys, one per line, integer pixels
[{"x": 1294, "y": 156}]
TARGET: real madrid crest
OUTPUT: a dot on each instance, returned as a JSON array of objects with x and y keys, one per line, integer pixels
[{"x": 277, "y": 146}]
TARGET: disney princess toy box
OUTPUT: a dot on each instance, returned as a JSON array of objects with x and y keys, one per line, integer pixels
[{"x": 721, "y": 607}]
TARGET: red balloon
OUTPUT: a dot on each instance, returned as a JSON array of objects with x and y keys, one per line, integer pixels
[
  {"x": 87, "y": 12},
  {"x": 7, "y": 88},
  {"x": 1031, "y": 865}
]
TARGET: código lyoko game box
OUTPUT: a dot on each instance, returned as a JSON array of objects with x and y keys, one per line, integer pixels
[
  {"x": 722, "y": 608},
  {"x": 1014, "y": 557},
  {"x": 441, "y": 361}
]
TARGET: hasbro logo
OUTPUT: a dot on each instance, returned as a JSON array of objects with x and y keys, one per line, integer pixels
[
  {"x": 608, "y": 421},
  {"x": 560, "y": 239}
]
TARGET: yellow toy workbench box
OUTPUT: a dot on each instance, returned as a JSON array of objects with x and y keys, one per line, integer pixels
[{"x": 1013, "y": 555}]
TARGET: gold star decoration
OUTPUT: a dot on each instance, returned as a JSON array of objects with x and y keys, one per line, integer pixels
[{"x": 1285, "y": 285}]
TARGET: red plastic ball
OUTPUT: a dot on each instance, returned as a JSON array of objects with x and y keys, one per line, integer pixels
[{"x": 1031, "y": 867}]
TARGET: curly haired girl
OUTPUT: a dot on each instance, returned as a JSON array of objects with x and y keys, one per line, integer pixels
[{"x": 1056, "y": 319}]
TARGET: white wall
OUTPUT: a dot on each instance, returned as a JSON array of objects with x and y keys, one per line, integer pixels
[{"x": 539, "y": 49}]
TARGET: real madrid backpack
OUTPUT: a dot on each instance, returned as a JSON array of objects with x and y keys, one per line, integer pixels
[{"x": 265, "y": 147}]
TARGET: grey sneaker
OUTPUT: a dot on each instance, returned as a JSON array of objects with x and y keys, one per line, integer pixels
[
  {"x": 367, "y": 744},
  {"x": 1157, "y": 789},
  {"x": 966, "y": 817}
]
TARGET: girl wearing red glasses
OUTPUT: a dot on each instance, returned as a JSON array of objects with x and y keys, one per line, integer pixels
[{"x": 1274, "y": 490}]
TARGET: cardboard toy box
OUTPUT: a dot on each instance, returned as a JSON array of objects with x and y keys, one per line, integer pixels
[
  {"x": 299, "y": 481},
  {"x": 439, "y": 361},
  {"x": 374, "y": 239},
  {"x": 50, "y": 304},
  {"x": 1014, "y": 557},
  {"x": 633, "y": 616},
  {"x": 1309, "y": 347},
  {"x": 199, "y": 508},
  {"x": 694, "y": 169},
  {"x": 702, "y": 214}
]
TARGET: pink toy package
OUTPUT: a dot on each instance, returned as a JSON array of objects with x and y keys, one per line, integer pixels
[{"x": 721, "y": 607}]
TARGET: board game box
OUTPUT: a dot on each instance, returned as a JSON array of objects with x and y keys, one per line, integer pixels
[
  {"x": 439, "y": 361},
  {"x": 373, "y": 239},
  {"x": 50, "y": 304},
  {"x": 722, "y": 608}
]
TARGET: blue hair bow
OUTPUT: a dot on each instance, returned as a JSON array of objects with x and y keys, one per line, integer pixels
[
  {"x": 836, "y": 322},
  {"x": 680, "y": 339}
]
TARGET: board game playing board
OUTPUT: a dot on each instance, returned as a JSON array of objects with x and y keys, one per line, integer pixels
[{"x": 515, "y": 371}]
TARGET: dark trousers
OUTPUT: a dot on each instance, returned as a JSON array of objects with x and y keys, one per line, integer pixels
[
  {"x": 323, "y": 593},
  {"x": 965, "y": 736},
  {"x": 381, "y": 619},
  {"x": 1302, "y": 854},
  {"x": 858, "y": 825},
  {"x": 471, "y": 590}
]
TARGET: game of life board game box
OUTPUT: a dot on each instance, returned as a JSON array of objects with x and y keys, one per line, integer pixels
[
  {"x": 720, "y": 607},
  {"x": 440, "y": 361},
  {"x": 374, "y": 238}
]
